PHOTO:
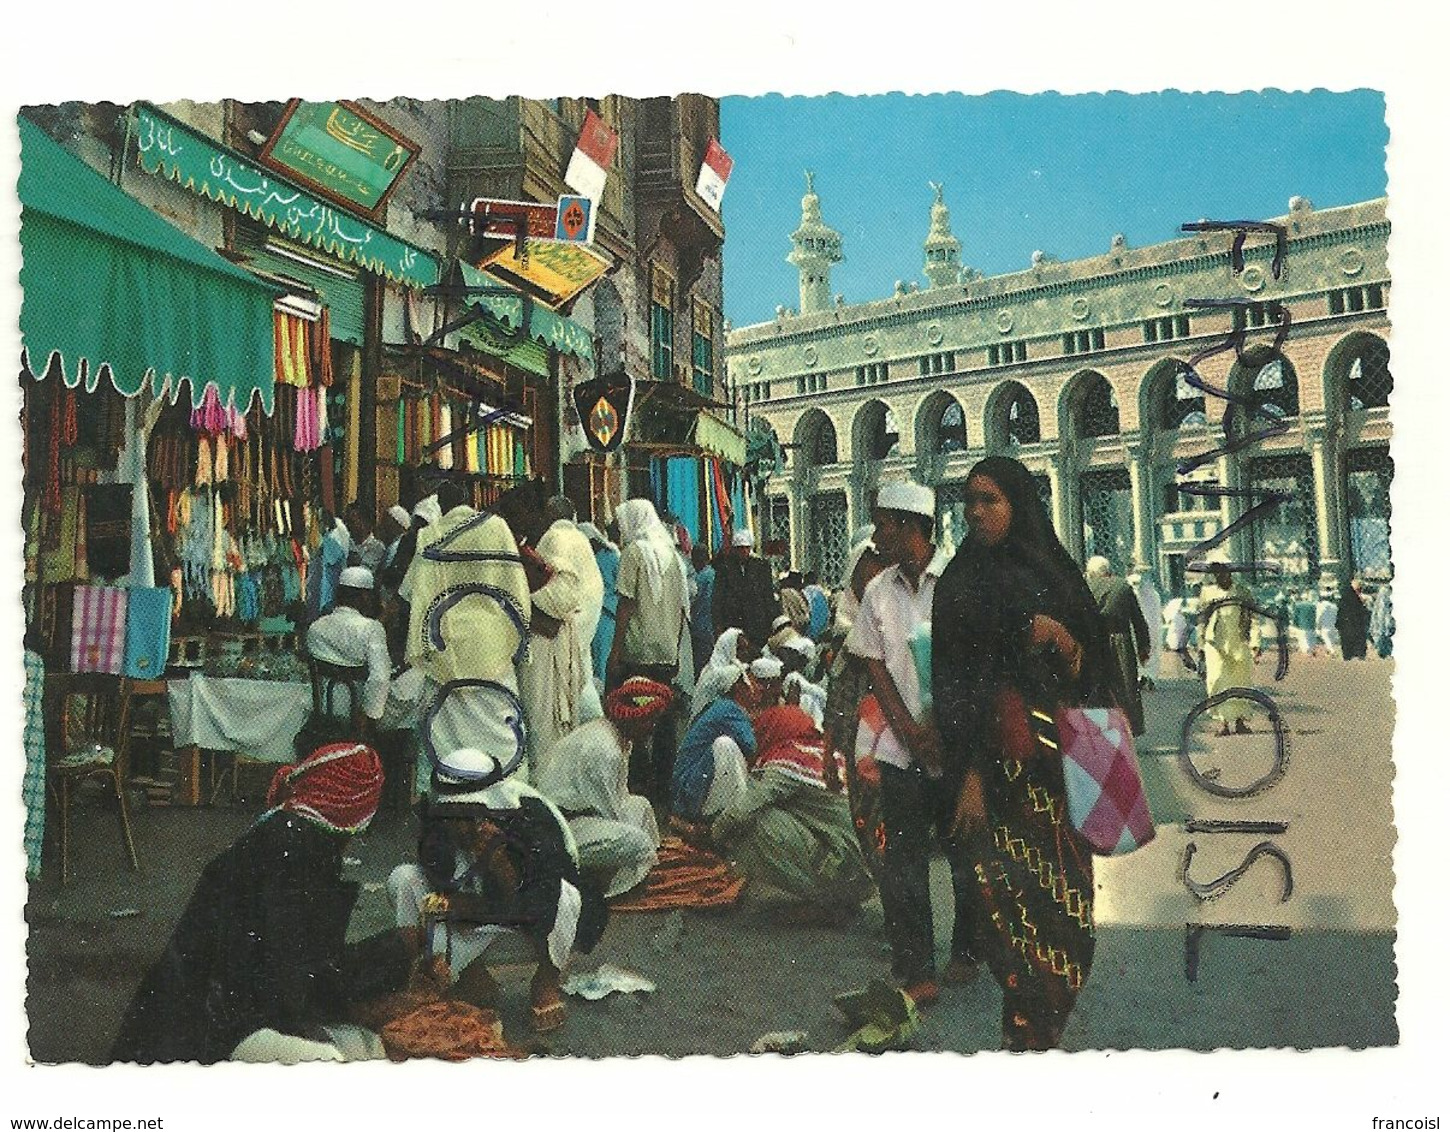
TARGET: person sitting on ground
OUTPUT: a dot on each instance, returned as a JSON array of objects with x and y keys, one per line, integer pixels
[
  {"x": 710, "y": 768},
  {"x": 820, "y": 605},
  {"x": 793, "y": 601},
  {"x": 495, "y": 856},
  {"x": 258, "y": 966},
  {"x": 788, "y": 832},
  {"x": 352, "y": 636},
  {"x": 587, "y": 777},
  {"x": 796, "y": 654}
]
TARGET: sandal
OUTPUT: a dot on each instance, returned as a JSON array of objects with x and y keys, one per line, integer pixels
[
  {"x": 549, "y": 1016},
  {"x": 923, "y": 994},
  {"x": 960, "y": 971}
]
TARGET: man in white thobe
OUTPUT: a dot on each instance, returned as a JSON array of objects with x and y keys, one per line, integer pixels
[
  {"x": 351, "y": 636},
  {"x": 554, "y": 678},
  {"x": 479, "y": 633},
  {"x": 1151, "y": 603}
]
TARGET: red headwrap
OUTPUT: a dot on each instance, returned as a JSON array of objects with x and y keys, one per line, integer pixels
[
  {"x": 788, "y": 739},
  {"x": 337, "y": 786},
  {"x": 638, "y": 698}
]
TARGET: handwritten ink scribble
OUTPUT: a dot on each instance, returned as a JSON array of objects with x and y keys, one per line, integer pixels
[
  {"x": 448, "y": 599},
  {"x": 1212, "y": 890},
  {"x": 1281, "y": 745}
]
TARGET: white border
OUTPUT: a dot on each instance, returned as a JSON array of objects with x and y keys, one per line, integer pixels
[{"x": 169, "y": 50}]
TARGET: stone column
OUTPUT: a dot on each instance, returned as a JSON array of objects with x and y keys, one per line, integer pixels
[
  {"x": 1141, "y": 482},
  {"x": 1239, "y": 547},
  {"x": 1326, "y": 498},
  {"x": 1059, "y": 476}
]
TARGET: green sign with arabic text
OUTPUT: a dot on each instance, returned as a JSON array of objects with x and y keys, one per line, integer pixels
[{"x": 341, "y": 150}]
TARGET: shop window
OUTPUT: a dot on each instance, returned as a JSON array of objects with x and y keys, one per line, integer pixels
[
  {"x": 702, "y": 356},
  {"x": 662, "y": 326}
]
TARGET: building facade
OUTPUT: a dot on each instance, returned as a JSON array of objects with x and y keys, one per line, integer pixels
[
  {"x": 656, "y": 313},
  {"x": 1078, "y": 370}
]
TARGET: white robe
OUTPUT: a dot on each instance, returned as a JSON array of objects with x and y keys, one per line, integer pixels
[
  {"x": 586, "y": 775},
  {"x": 1151, "y": 604},
  {"x": 554, "y": 677},
  {"x": 479, "y": 637}
]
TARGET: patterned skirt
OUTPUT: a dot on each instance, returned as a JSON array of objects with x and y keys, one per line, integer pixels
[{"x": 1036, "y": 880}]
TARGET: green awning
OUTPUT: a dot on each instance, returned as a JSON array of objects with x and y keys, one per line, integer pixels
[
  {"x": 553, "y": 330},
  {"x": 107, "y": 282},
  {"x": 498, "y": 341},
  {"x": 714, "y": 435},
  {"x": 172, "y": 150}
]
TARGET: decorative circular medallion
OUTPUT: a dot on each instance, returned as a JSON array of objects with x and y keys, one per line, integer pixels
[
  {"x": 934, "y": 334},
  {"x": 809, "y": 353},
  {"x": 1252, "y": 278},
  {"x": 754, "y": 366},
  {"x": 1351, "y": 262},
  {"x": 869, "y": 344},
  {"x": 1163, "y": 295},
  {"x": 1080, "y": 308},
  {"x": 1004, "y": 321}
]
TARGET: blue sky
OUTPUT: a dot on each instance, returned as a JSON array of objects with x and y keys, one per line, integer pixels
[{"x": 1022, "y": 172}]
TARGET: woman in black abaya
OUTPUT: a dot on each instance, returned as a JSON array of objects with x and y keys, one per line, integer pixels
[{"x": 1016, "y": 633}]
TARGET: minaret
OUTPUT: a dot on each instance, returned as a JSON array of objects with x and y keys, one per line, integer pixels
[
  {"x": 943, "y": 250},
  {"x": 814, "y": 248}
]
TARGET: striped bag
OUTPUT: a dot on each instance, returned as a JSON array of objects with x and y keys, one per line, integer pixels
[{"x": 98, "y": 629}]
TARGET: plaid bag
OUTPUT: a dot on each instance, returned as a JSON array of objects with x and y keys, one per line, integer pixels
[
  {"x": 1105, "y": 799},
  {"x": 98, "y": 629}
]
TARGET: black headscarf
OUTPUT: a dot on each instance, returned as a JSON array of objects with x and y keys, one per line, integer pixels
[{"x": 982, "y": 614}]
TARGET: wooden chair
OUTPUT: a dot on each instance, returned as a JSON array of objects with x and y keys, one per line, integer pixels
[
  {"x": 327, "y": 679},
  {"x": 88, "y": 724}
]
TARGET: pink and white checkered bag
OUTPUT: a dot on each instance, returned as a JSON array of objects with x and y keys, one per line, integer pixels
[
  {"x": 98, "y": 629},
  {"x": 1105, "y": 799}
]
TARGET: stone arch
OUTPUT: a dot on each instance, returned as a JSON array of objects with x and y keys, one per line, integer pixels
[
  {"x": 1012, "y": 418},
  {"x": 1357, "y": 374},
  {"x": 1266, "y": 376},
  {"x": 875, "y": 433},
  {"x": 1166, "y": 402},
  {"x": 1088, "y": 407},
  {"x": 815, "y": 441},
  {"x": 941, "y": 425}
]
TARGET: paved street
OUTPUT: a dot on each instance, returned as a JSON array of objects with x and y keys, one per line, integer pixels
[{"x": 727, "y": 977}]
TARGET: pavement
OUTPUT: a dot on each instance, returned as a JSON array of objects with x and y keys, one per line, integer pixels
[{"x": 726, "y": 977}]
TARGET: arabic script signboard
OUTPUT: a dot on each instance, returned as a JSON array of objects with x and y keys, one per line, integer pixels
[{"x": 341, "y": 151}]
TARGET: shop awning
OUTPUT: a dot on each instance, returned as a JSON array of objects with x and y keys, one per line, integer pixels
[
  {"x": 167, "y": 148},
  {"x": 509, "y": 346},
  {"x": 715, "y": 435},
  {"x": 552, "y": 330},
  {"x": 110, "y": 283}
]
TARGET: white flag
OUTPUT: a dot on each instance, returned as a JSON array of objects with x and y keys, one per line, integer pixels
[{"x": 589, "y": 167}]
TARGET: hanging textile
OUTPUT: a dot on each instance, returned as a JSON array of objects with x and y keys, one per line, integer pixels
[
  {"x": 739, "y": 515},
  {"x": 148, "y": 633},
  {"x": 108, "y": 530},
  {"x": 682, "y": 492},
  {"x": 721, "y": 499},
  {"x": 98, "y": 629}
]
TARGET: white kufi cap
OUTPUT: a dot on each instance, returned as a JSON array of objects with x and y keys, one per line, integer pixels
[
  {"x": 742, "y": 537},
  {"x": 909, "y": 497},
  {"x": 356, "y": 578}
]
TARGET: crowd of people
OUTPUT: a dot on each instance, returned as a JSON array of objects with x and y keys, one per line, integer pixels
[{"x": 572, "y": 695}]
